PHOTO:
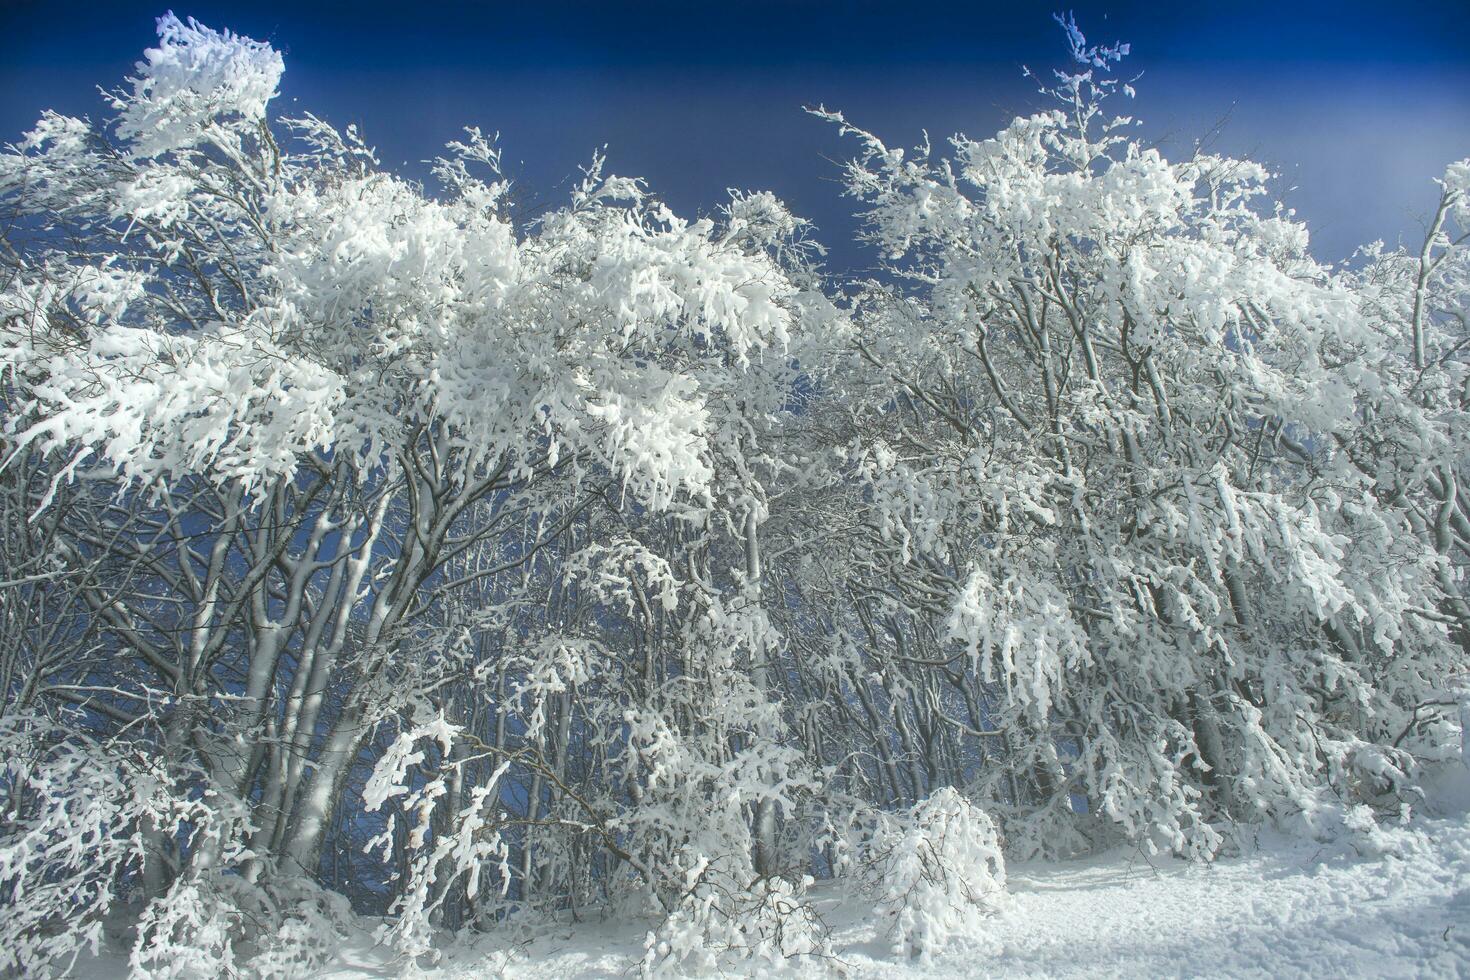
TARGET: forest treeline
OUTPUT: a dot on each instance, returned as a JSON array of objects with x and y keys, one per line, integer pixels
[{"x": 369, "y": 547}]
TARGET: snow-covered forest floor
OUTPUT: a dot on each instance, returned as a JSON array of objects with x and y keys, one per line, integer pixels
[{"x": 1394, "y": 904}]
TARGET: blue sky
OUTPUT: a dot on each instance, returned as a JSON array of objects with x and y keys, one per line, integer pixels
[{"x": 1357, "y": 105}]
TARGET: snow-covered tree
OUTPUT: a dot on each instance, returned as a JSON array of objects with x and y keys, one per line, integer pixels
[
  {"x": 1100, "y": 439},
  {"x": 1413, "y": 424},
  {"x": 335, "y": 421},
  {"x": 365, "y": 540}
]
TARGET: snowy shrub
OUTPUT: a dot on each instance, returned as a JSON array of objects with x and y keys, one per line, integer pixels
[
  {"x": 936, "y": 872},
  {"x": 217, "y": 924},
  {"x": 77, "y": 817},
  {"x": 299, "y": 926},
  {"x": 720, "y": 924},
  {"x": 467, "y": 856},
  {"x": 192, "y": 931},
  {"x": 88, "y": 825}
]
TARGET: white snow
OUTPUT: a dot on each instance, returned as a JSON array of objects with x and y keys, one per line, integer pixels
[
  {"x": 1105, "y": 466},
  {"x": 1284, "y": 908}
]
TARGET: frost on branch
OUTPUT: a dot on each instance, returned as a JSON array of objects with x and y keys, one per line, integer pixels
[
  {"x": 86, "y": 824},
  {"x": 72, "y": 835},
  {"x": 507, "y": 569},
  {"x": 195, "y": 77},
  {"x": 936, "y": 872},
  {"x": 227, "y": 402},
  {"x": 471, "y": 852},
  {"x": 1130, "y": 444},
  {"x": 768, "y": 924}
]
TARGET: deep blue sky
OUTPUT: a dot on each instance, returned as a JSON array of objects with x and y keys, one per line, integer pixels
[{"x": 1358, "y": 105}]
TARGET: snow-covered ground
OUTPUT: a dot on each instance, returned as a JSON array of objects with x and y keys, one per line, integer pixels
[{"x": 1285, "y": 908}]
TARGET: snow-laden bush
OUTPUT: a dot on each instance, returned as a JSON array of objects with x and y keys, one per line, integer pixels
[
  {"x": 90, "y": 828},
  {"x": 720, "y": 923},
  {"x": 687, "y": 854},
  {"x": 74, "y": 817},
  {"x": 219, "y": 924},
  {"x": 936, "y": 871}
]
